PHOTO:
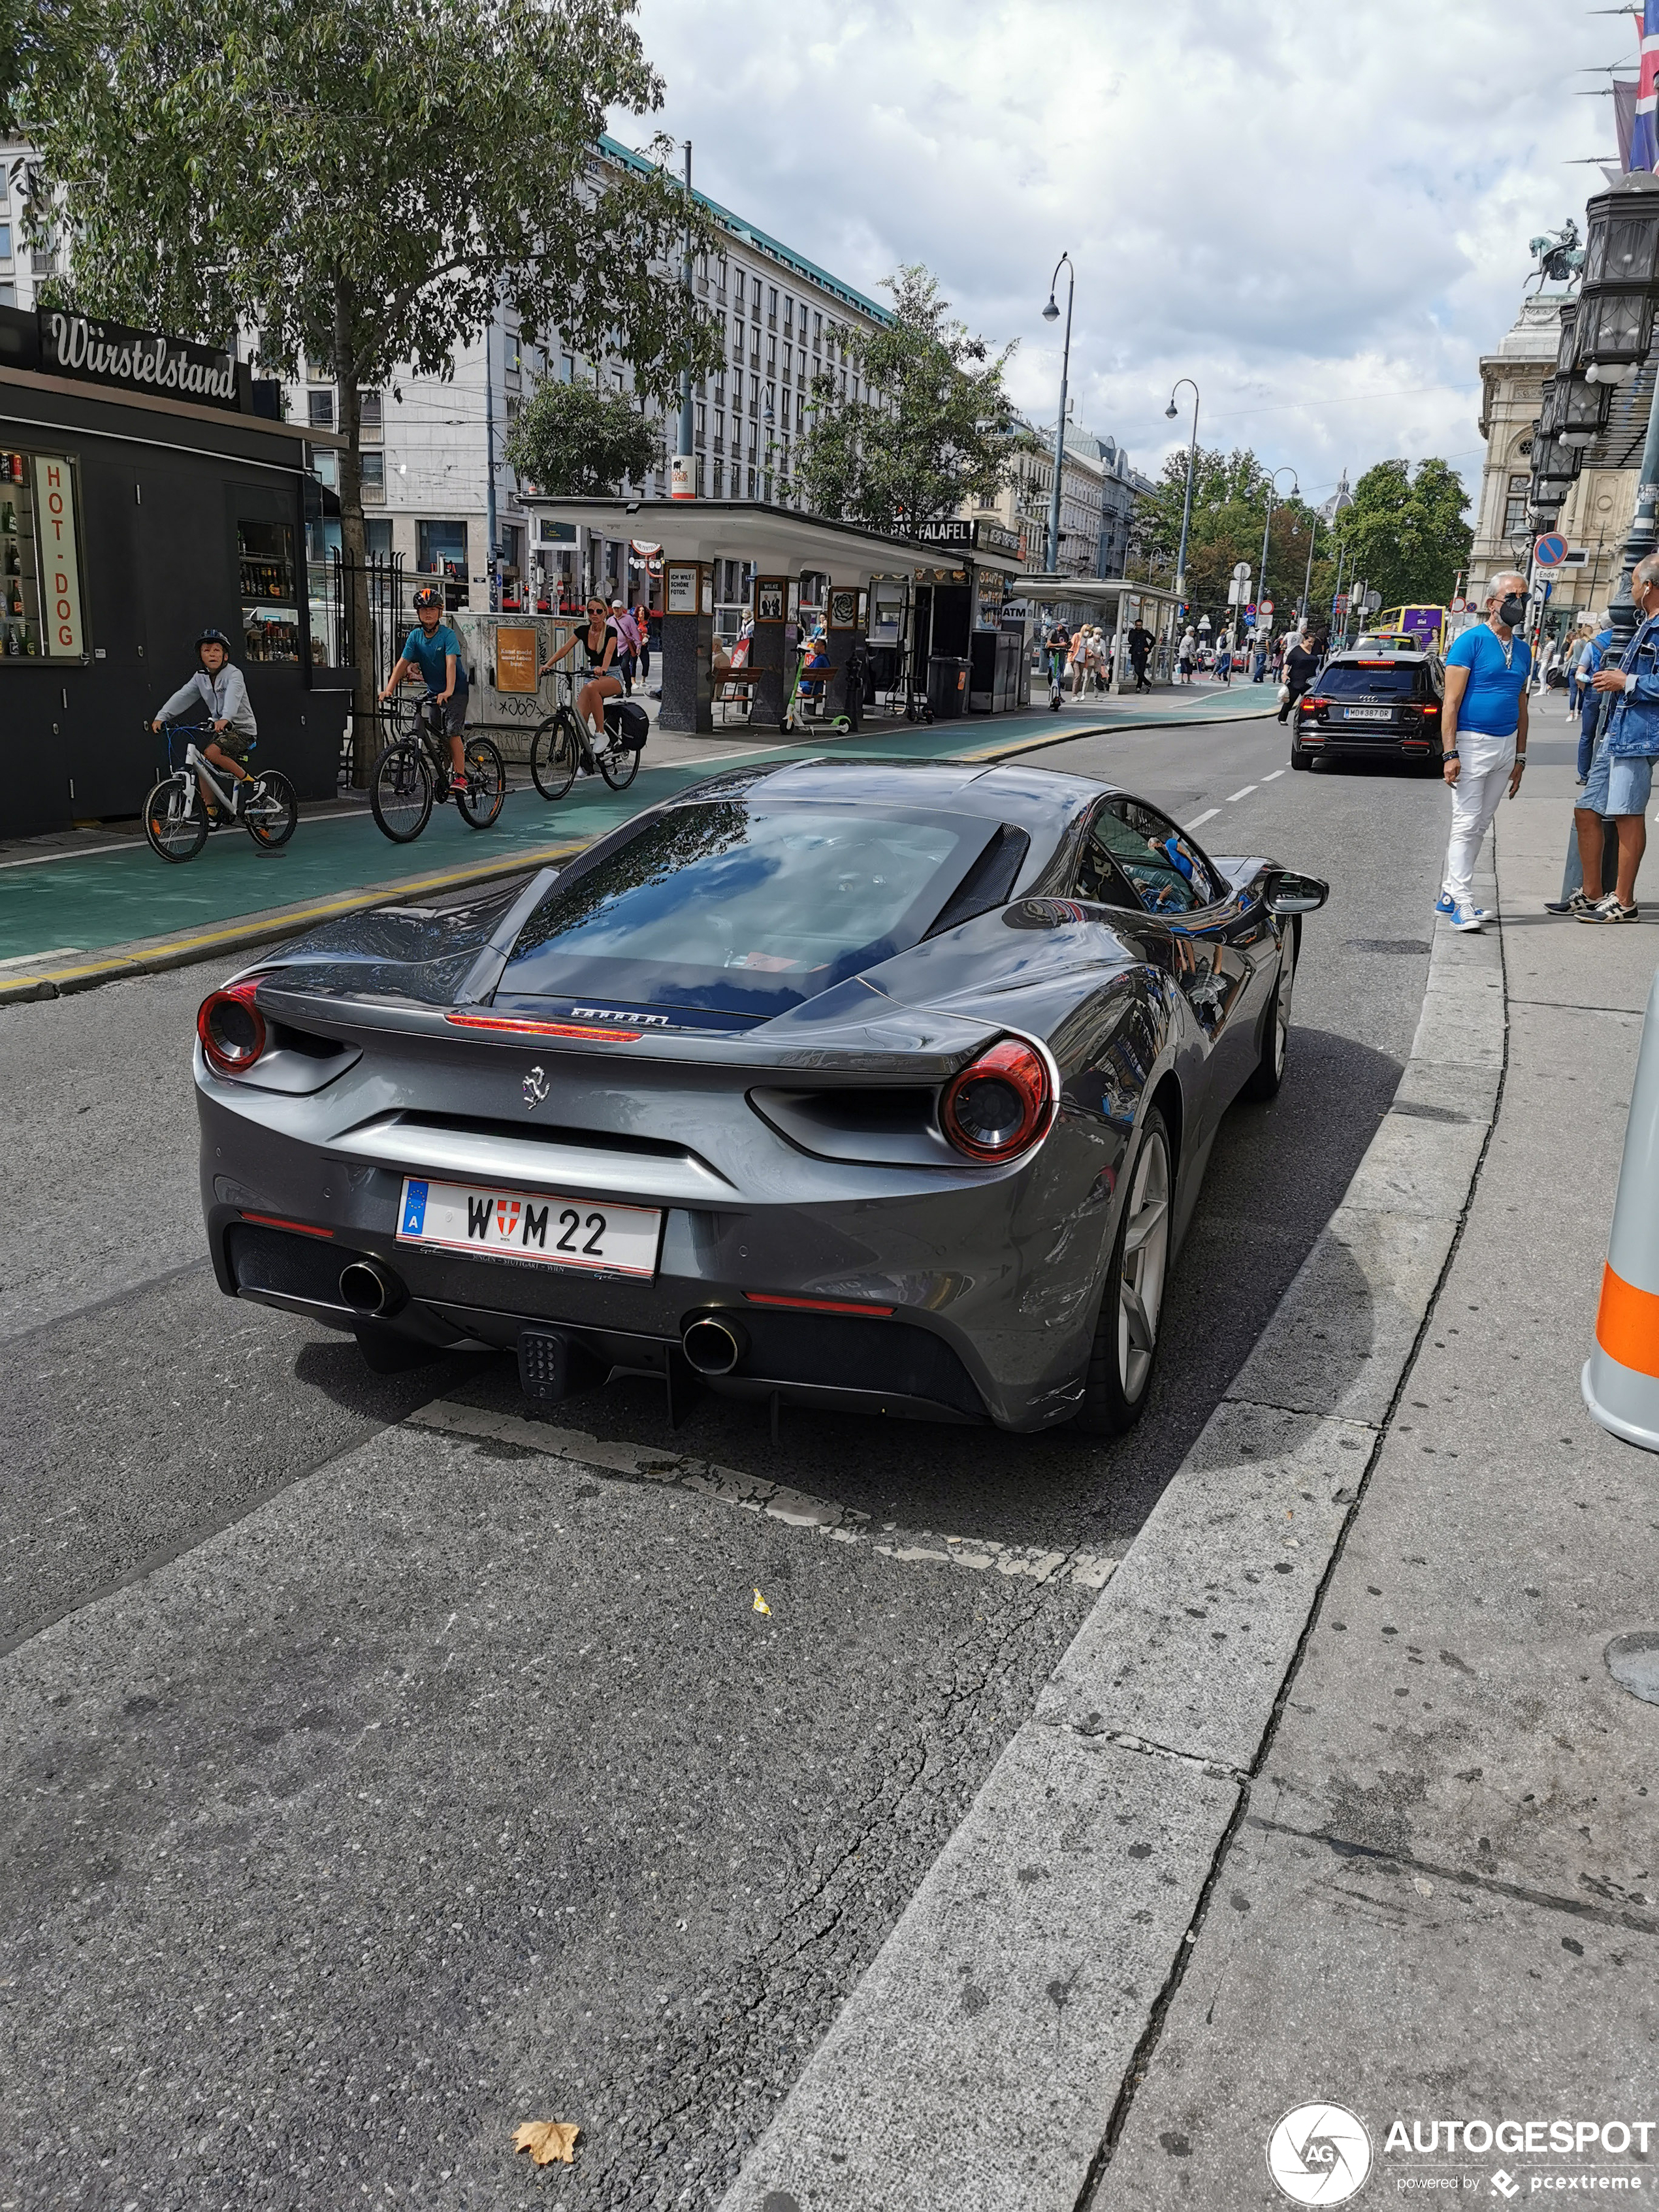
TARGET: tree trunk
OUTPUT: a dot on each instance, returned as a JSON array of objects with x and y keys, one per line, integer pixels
[{"x": 365, "y": 709}]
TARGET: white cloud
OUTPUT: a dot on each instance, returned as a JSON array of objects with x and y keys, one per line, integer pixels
[{"x": 1320, "y": 213}]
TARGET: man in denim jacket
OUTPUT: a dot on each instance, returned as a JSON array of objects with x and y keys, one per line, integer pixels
[{"x": 1621, "y": 773}]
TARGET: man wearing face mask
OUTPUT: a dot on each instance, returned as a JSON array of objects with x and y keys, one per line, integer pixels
[
  {"x": 1484, "y": 735},
  {"x": 1621, "y": 773}
]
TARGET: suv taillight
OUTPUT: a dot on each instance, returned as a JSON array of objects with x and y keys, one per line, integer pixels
[
  {"x": 998, "y": 1107},
  {"x": 232, "y": 1029}
]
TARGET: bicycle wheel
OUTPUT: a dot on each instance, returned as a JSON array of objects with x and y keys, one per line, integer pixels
[
  {"x": 486, "y": 783},
  {"x": 270, "y": 813},
  {"x": 618, "y": 763},
  {"x": 175, "y": 826},
  {"x": 401, "y": 794},
  {"x": 553, "y": 757}
]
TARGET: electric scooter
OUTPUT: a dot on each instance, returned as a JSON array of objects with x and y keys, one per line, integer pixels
[{"x": 839, "y": 723}]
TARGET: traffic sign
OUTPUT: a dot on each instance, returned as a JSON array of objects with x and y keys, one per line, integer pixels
[
  {"x": 1266, "y": 608},
  {"x": 1241, "y": 569},
  {"x": 1550, "y": 550}
]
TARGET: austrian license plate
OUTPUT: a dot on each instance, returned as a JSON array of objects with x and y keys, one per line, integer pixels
[
  {"x": 1368, "y": 713},
  {"x": 516, "y": 1224}
]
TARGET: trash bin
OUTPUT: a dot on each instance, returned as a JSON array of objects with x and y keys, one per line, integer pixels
[{"x": 947, "y": 685}]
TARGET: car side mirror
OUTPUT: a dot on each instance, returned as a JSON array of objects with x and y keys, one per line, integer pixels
[{"x": 1285, "y": 892}]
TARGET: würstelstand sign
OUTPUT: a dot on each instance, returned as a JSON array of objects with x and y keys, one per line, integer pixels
[{"x": 94, "y": 351}]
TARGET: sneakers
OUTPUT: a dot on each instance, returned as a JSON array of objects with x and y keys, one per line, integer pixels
[
  {"x": 1608, "y": 910},
  {"x": 457, "y": 784},
  {"x": 1447, "y": 905},
  {"x": 1466, "y": 917}
]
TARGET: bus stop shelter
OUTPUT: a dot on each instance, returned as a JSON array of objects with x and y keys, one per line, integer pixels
[
  {"x": 1124, "y": 603},
  {"x": 931, "y": 607}
]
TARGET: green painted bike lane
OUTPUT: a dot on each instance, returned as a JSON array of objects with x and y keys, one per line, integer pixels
[{"x": 55, "y": 907}]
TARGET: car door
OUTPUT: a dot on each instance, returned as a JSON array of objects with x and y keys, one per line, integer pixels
[{"x": 1217, "y": 944}]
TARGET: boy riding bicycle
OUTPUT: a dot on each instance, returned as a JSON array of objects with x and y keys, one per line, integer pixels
[
  {"x": 434, "y": 652},
  {"x": 218, "y": 684}
]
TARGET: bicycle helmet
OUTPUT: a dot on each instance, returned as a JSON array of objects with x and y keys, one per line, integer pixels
[
  {"x": 428, "y": 596},
  {"x": 213, "y": 637}
]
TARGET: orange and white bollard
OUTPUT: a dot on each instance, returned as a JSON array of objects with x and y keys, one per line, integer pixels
[{"x": 1621, "y": 1381}]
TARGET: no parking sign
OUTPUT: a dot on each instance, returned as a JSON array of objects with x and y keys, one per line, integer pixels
[{"x": 1550, "y": 550}]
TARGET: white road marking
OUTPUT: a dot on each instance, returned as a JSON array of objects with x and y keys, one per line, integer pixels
[
  {"x": 1245, "y": 793},
  {"x": 1268, "y": 779},
  {"x": 1199, "y": 820},
  {"x": 844, "y": 1524},
  {"x": 25, "y": 959}
]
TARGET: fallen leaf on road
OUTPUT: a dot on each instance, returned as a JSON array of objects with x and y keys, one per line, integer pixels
[
  {"x": 547, "y": 2141},
  {"x": 760, "y": 1606}
]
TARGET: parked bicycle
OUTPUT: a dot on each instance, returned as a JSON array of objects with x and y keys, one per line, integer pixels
[
  {"x": 413, "y": 771},
  {"x": 562, "y": 744},
  {"x": 175, "y": 814}
]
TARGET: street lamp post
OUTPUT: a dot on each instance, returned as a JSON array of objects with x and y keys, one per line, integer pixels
[
  {"x": 1307, "y": 581},
  {"x": 1051, "y": 314},
  {"x": 1266, "y": 525},
  {"x": 683, "y": 481},
  {"x": 1172, "y": 410}
]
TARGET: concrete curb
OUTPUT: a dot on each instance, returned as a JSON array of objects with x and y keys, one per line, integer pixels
[
  {"x": 985, "y": 2060},
  {"x": 151, "y": 956}
]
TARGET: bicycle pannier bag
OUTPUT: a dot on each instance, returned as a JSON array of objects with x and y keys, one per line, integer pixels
[{"x": 628, "y": 722}]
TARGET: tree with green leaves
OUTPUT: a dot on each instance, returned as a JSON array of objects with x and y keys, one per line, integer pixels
[
  {"x": 1230, "y": 497},
  {"x": 574, "y": 439},
  {"x": 936, "y": 430},
  {"x": 365, "y": 183},
  {"x": 1405, "y": 534}
]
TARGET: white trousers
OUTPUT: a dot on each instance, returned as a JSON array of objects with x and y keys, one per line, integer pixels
[{"x": 1486, "y": 762}]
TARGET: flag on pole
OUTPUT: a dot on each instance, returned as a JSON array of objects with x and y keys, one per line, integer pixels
[{"x": 1644, "y": 131}]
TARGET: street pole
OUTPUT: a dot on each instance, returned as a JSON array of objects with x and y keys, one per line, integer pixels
[
  {"x": 490, "y": 464},
  {"x": 1307, "y": 581},
  {"x": 688, "y": 427},
  {"x": 1051, "y": 313},
  {"x": 1187, "y": 508},
  {"x": 1266, "y": 525}
]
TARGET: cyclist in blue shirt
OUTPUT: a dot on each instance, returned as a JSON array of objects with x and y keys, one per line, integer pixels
[{"x": 434, "y": 652}]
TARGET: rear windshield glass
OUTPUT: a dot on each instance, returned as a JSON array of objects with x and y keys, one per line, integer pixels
[
  {"x": 1391, "y": 680},
  {"x": 744, "y": 909}
]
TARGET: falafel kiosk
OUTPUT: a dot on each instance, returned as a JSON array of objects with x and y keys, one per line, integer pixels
[{"x": 145, "y": 495}]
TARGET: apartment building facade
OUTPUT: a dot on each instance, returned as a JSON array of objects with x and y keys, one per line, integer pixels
[{"x": 1098, "y": 493}]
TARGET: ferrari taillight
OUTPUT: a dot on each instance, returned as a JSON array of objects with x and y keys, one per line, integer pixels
[
  {"x": 998, "y": 1107},
  {"x": 232, "y": 1029}
]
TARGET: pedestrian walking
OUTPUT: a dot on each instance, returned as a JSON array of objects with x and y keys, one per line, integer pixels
[
  {"x": 1301, "y": 666},
  {"x": 628, "y": 644},
  {"x": 1186, "y": 658},
  {"x": 1224, "y": 662},
  {"x": 1483, "y": 735},
  {"x": 1259, "y": 660},
  {"x": 1621, "y": 772},
  {"x": 1077, "y": 659},
  {"x": 643, "y": 625},
  {"x": 1140, "y": 646}
]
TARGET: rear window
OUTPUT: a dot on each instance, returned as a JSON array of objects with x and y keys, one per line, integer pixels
[
  {"x": 1390, "y": 679},
  {"x": 744, "y": 909}
]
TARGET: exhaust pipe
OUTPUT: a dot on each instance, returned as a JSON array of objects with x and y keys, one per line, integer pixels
[
  {"x": 368, "y": 1289},
  {"x": 714, "y": 1344}
]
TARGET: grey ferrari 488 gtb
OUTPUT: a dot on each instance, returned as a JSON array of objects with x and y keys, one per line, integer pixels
[{"x": 877, "y": 1086}]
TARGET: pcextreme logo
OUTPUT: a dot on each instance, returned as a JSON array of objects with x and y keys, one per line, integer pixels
[{"x": 1322, "y": 2154}]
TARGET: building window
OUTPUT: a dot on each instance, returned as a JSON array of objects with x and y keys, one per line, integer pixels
[
  {"x": 376, "y": 536},
  {"x": 369, "y": 418},
  {"x": 789, "y": 316},
  {"x": 319, "y": 409},
  {"x": 772, "y": 353},
  {"x": 373, "y": 466},
  {"x": 5, "y": 242},
  {"x": 325, "y": 466},
  {"x": 43, "y": 262},
  {"x": 772, "y": 307},
  {"x": 8, "y": 293},
  {"x": 736, "y": 291},
  {"x": 440, "y": 549},
  {"x": 567, "y": 369},
  {"x": 817, "y": 330}
]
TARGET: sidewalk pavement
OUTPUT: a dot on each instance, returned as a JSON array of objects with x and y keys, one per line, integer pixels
[
  {"x": 79, "y": 910},
  {"x": 1334, "y": 1797}
]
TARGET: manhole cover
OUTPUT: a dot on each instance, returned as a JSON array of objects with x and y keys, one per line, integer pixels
[
  {"x": 1402, "y": 946},
  {"x": 1633, "y": 1662}
]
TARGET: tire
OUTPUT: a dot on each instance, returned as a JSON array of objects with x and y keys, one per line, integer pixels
[
  {"x": 553, "y": 757},
  {"x": 172, "y": 832},
  {"x": 1125, "y": 1352},
  {"x": 400, "y": 795},
  {"x": 1300, "y": 756},
  {"x": 270, "y": 817},
  {"x": 618, "y": 765},
  {"x": 1269, "y": 1074},
  {"x": 486, "y": 783}
]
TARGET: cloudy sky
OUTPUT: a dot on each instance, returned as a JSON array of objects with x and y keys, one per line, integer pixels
[{"x": 1319, "y": 212}]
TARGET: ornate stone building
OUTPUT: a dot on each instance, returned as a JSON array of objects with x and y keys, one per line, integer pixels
[{"x": 1597, "y": 514}]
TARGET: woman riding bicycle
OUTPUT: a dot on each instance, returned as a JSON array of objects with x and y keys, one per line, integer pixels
[
  {"x": 218, "y": 685},
  {"x": 434, "y": 652},
  {"x": 598, "y": 642}
]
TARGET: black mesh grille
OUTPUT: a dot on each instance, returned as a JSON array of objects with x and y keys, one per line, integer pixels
[{"x": 848, "y": 1353}]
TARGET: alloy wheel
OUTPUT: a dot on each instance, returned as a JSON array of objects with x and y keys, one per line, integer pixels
[{"x": 1145, "y": 1264}]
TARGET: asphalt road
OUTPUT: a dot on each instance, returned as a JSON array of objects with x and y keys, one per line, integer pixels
[{"x": 375, "y": 1788}]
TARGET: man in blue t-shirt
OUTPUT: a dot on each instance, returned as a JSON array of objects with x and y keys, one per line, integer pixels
[
  {"x": 1483, "y": 735},
  {"x": 434, "y": 654}
]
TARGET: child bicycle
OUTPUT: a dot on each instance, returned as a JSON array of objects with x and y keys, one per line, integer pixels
[
  {"x": 562, "y": 744},
  {"x": 413, "y": 772},
  {"x": 176, "y": 818}
]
